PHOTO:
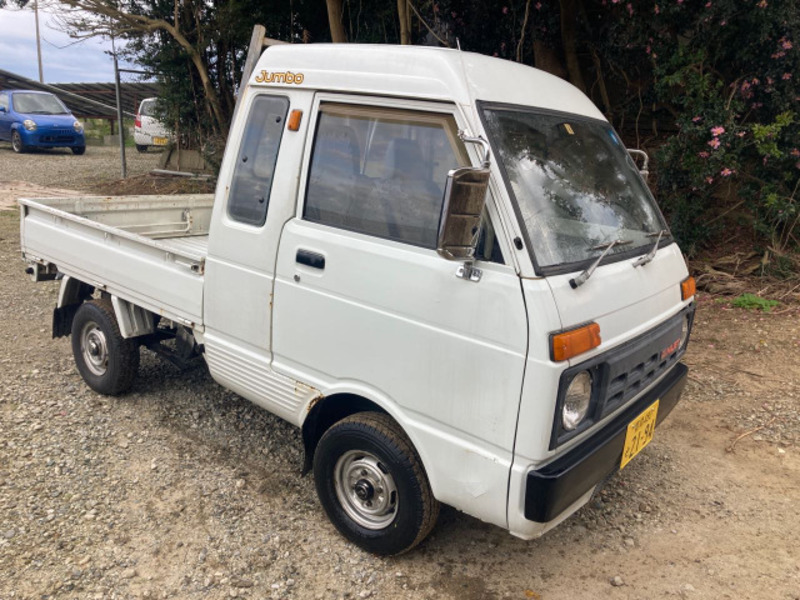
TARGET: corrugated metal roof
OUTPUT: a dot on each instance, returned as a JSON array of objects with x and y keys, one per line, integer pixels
[{"x": 87, "y": 100}]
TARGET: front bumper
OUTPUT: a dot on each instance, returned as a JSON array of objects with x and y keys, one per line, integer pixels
[
  {"x": 556, "y": 487},
  {"x": 55, "y": 138}
]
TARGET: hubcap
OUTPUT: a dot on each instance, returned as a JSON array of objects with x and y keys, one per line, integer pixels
[
  {"x": 16, "y": 142},
  {"x": 94, "y": 349},
  {"x": 365, "y": 489}
]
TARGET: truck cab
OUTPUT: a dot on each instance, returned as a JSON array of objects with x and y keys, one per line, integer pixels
[{"x": 509, "y": 375}]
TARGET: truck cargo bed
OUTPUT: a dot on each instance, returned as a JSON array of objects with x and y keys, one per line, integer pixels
[{"x": 149, "y": 250}]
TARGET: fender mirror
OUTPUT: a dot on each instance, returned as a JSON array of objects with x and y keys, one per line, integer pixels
[{"x": 464, "y": 201}]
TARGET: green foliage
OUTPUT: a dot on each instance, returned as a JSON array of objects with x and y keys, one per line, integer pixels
[{"x": 753, "y": 302}]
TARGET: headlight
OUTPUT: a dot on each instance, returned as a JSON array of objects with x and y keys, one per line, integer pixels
[
  {"x": 77, "y": 126},
  {"x": 29, "y": 124},
  {"x": 684, "y": 331},
  {"x": 577, "y": 400}
]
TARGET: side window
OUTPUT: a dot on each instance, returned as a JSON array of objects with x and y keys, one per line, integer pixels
[
  {"x": 4, "y": 101},
  {"x": 252, "y": 176},
  {"x": 381, "y": 172}
]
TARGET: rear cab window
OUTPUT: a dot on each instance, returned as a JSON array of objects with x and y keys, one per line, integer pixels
[{"x": 251, "y": 184}]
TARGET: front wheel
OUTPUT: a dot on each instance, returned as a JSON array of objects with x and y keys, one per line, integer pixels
[
  {"x": 78, "y": 149},
  {"x": 16, "y": 142},
  {"x": 372, "y": 486},
  {"x": 141, "y": 148},
  {"x": 107, "y": 362}
]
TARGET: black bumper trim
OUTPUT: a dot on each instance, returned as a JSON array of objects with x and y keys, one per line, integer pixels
[{"x": 553, "y": 488}]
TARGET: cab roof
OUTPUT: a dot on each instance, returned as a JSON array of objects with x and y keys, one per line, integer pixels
[{"x": 420, "y": 72}]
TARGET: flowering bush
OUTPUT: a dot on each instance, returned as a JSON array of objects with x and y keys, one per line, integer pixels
[{"x": 727, "y": 70}]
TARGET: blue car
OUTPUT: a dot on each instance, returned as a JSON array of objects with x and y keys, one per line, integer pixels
[{"x": 30, "y": 119}]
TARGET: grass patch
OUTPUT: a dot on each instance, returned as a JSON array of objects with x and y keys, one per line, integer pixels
[{"x": 753, "y": 302}]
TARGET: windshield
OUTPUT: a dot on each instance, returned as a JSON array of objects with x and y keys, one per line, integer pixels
[
  {"x": 575, "y": 184},
  {"x": 39, "y": 104}
]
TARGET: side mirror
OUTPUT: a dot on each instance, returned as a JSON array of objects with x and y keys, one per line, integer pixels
[
  {"x": 2, "y": 109},
  {"x": 464, "y": 200}
]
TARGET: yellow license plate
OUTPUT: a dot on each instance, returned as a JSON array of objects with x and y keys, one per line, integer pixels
[
  {"x": 159, "y": 141},
  {"x": 640, "y": 432}
]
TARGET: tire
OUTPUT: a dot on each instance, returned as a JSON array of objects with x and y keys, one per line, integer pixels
[
  {"x": 372, "y": 486},
  {"x": 107, "y": 362},
  {"x": 141, "y": 148},
  {"x": 16, "y": 142},
  {"x": 78, "y": 150}
]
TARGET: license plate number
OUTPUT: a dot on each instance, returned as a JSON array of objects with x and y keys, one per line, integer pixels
[
  {"x": 640, "y": 432},
  {"x": 159, "y": 141}
]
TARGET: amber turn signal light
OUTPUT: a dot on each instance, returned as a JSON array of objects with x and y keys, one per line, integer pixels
[
  {"x": 688, "y": 288},
  {"x": 295, "y": 117},
  {"x": 570, "y": 343}
]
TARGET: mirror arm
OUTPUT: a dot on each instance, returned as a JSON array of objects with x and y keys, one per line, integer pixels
[
  {"x": 487, "y": 150},
  {"x": 645, "y": 161}
]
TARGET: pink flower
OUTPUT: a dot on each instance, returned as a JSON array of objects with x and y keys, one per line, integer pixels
[
  {"x": 630, "y": 9},
  {"x": 755, "y": 81},
  {"x": 680, "y": 2},
  {"x": 779, "y": 54},
  {"x": 714, "y": 143},
  {"x": 709, "y": 180},
  {"x": 708, "y": 4},
  {"x": 505, "y": 10},
  {"x": 647, "y": 49},
  {"x": 786, "y": 76},
  {"x": 795, "y": 152},
  {"x": 703, "y": 154},
  {"x": 785, "y": 44},
  {"x": 717, "y": 131},
  {"x": 762, "y": 4},
  {"x": 741, "y": 134},
  {"x": 723, "y": 23},
  {"x": 697, "y": 119},
  {"x": 657, "y": 10},
  {"x": 726, "y": 172},
  {"x": 797, "y": 164},
  {"x": 538, "y": 6}
]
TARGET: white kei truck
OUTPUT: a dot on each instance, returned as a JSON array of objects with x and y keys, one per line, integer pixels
[{"x": 445, "y": 268}]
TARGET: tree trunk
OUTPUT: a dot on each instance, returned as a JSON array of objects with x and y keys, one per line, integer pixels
[
  {"x": 547, "y": 59},
  {"x": 569, "y": 33},
  {"x": 335, "y": 11},
  {"x": 404, "y": 14}
]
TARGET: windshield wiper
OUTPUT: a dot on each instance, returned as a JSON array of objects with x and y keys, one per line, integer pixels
[
  {"x": 643, "y": 260},
  {"x": 606, "y": 248}
]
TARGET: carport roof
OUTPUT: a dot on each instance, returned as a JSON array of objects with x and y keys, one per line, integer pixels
[{"x": 87, "y": 100}]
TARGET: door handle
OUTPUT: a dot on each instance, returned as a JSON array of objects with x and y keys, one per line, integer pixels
[{"x": 315, "y": 260}]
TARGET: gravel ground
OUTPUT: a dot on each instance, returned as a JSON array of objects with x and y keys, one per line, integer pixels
[
  {"x": 60, "y": 168},
  {"x": 180, "y": 489}
]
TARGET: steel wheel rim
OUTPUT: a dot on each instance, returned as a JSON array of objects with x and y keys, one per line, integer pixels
[
  {"x": 94, "y": 349},
  {"x": 16, "y": 142},
  {"x": 365, "y": 489}
]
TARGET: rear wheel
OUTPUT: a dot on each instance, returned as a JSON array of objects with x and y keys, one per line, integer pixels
[
  {"x": 371, "y": 484},
  {"x": 107, "y": 362},
  {"x": 78, "y": 149},
  {"x": 16, "y": 142}
]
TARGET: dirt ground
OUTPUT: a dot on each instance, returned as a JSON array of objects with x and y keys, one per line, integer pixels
[{"x": 180, "y": 489}]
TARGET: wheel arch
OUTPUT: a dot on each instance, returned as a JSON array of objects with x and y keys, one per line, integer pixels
[{"x": 325, "y": 411}]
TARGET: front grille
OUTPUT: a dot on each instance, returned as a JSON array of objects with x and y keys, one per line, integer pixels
[
  {"x": 622, "y": 373},
  {"x": 57, "y": 139},
  {"x": 630, "y": 381}
]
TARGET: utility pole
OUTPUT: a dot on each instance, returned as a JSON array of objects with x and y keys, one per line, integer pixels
[
  {"x": 38, "y": 39},
  {"x": 120, "y": 116}
]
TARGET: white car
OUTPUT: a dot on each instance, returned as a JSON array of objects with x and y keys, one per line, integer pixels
[{"x": 147, "y": 129}]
